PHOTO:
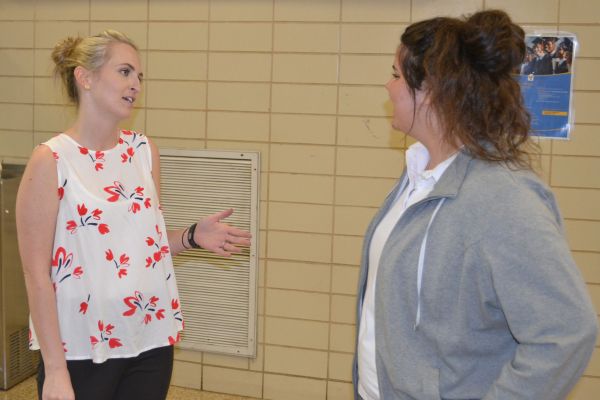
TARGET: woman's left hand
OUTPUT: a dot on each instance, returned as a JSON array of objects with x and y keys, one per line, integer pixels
[{"x": 220, "y": 238}]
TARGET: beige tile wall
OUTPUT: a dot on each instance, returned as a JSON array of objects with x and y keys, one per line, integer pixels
[{"x": 300, "y": 81}]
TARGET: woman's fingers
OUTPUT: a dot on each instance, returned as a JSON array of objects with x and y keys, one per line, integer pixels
[
  {"x": 220, "y": 215},
  {"x": 239, "y": 232}
]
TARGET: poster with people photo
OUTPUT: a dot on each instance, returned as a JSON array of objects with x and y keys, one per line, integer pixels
[{"x": 546, "y": 79}]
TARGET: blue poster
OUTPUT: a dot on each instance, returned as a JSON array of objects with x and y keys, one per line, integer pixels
[{"x": 546, "y": 79}]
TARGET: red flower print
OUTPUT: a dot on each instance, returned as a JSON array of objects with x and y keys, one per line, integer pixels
[
  {"x": 97, "y": 158},
  {"x": 118, "y": 192},
  {"x": 55, "y": 155},
  {"x": 160, "y": 250},
  {"x": 105, "y": 331},
  {"x": 61, "y": 258},
  {"x": 121, "y": 265},
  {"x": 84, "y": 220},
  {"x": 71, "y": 226},
  {"x": 135, "y": 207},
  {"x": 82, "y": 210},
  {"x": 124, "y": 259},
  {"x": 133, "y": 141},
  {"x": 96, "y": 214},
  {"x": 61, "y": 190},
  {"x": 103, "y": 229},
  {"x": 133, "y": 302},
  {"x": 173, "y": 340},
  {"x": 84, "y": 305},
  {"x": 176, "y": 311},
  {"x": 63, "y": 262},
  {"x": 137, "y": 302},
  {"x": 128, "y": 155}
]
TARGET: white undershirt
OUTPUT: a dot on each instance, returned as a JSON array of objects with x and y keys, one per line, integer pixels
[{"x": 420, "y": 183}]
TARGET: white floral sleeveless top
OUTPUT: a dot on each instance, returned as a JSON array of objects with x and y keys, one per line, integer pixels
[{"x": 111, "y": 267}]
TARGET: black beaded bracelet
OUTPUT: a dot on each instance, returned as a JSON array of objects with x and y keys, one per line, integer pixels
[
  {"x": 182, "y": 242},
  {"x": 190, "y": 237}
]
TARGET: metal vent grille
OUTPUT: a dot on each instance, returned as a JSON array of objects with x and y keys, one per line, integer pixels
[
  {"x": 22, "y": 362},
  {"x": 218, "y": 295}
]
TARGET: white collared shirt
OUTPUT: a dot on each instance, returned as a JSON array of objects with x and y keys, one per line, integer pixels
[{"x": 420, "y": 183}]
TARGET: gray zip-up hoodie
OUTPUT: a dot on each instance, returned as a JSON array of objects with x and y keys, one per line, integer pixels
[{"x": 501, "y": 311}]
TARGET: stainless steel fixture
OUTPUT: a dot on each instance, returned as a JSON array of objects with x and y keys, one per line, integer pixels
[{"x": 17, "y": 361}]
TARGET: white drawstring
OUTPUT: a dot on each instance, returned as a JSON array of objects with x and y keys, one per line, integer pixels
[{"x": 422, "y": 263}]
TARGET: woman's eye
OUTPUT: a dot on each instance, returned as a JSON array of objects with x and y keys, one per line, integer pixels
[
  {"x": 396, "y": 75},
  {"x": 125, "y": 71}
]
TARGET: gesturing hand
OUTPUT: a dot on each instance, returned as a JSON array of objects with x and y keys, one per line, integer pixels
[{"x": 220, "y": 238}]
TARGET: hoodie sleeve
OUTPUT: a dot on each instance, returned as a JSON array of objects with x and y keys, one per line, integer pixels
[{"x": 545, "y": 301}]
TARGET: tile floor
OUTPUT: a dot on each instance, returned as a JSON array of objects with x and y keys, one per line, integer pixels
[{"x": 27, "y": 391}]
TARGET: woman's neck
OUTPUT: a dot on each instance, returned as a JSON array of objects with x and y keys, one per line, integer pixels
[
  {"x": 439, "y": 151},
  {"x": 94, "y": 132},
  {"x": 432, "y": 137}
]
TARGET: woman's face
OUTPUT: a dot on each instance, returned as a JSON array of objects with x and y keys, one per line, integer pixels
[
  {"x": 115, "y": 86},
  {"x": 405, "y": 108}
]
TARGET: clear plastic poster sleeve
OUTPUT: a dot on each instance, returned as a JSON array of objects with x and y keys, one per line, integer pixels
[{"x": 546, "y": 79}]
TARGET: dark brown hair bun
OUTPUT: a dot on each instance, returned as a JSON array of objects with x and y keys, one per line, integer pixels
[{"x": 492, "y": 43}]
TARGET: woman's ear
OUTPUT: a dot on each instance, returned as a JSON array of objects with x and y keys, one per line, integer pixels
[{"x": 82, "y": 77}]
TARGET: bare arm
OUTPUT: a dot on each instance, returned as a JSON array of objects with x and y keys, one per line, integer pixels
[
  {"x": 210, "y": 233},
  {"x": 36, "y": 212}
]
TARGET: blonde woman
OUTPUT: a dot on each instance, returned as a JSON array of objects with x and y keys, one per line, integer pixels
[{"x": 96, "y": 254}]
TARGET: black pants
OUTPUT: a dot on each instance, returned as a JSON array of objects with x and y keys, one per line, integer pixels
[{"x": 146, "y": 376}]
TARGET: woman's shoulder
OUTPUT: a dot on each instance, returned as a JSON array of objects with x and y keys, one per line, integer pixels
[
  {"x": 507, "y": 191},
  {"x": 499, "y": 177},
  {"x": 55, "y": 142},
  {"x": 43, "y": 155}
]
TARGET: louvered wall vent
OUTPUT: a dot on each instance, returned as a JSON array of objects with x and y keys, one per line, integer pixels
[{"x": 218, "y": 295}]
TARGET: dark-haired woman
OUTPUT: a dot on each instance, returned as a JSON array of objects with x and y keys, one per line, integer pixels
[
  {"x": 96, "y": 253},
  {"x": 467, "y": 288}
]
